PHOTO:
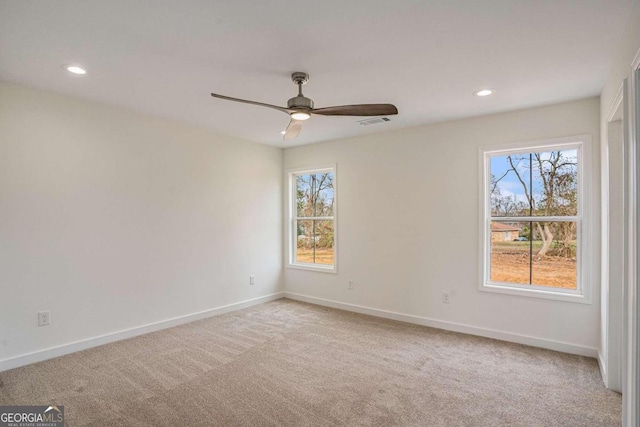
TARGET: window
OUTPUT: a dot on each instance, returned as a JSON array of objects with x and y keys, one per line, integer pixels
[
  {"x": 533, "y": 236},
  {"x": 312, "y": 227}
]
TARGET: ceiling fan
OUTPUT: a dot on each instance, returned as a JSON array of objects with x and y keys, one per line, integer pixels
[{"x": 300, "y": 108}]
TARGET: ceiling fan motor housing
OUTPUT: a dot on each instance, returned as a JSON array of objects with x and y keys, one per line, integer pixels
[{"x": 300, "y": 102}]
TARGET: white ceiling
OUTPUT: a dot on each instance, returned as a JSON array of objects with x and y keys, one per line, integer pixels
[{"x": 426, "y": 57}]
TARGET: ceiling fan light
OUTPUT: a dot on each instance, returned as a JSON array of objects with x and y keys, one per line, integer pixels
[
  {"x": 75, "y": 69},
  {"x": 483, "y": 92},
  {"x": 300, "y": 115}
]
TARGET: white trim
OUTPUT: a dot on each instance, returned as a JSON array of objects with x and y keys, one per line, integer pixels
[
  {"x": 582, "y": 143},
  {"x": 549, "y": 218},
  {"x": 536, "y": 291},
  {"x": 610, "y": 350},
  {"x": 289, "y": 237},
  {"x": 450, "y": 326},
  {"x": 604, "y": 253},
  {"x": 631, "y": 377},
  {"x": 635, "y": 64},
  {"x": 72, "y": 347},
  {"x": 617, "y": 101},
  {"x": 603, "y": 367},
  {"x": 539, "y": 145},
  {"x": 320, "y": 268}
]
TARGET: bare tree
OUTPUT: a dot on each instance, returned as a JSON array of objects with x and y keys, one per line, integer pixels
[
  {"x": 312, "y": 201},
  {"x": 311, "y": 194},
  {"x": 505, "y": 204},
  {"x": 558, "y": 197}
]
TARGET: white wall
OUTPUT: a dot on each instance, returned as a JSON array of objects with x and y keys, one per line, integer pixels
[
  {"x": 113, "y": 219},
  {"x": 408, "y": 224}
]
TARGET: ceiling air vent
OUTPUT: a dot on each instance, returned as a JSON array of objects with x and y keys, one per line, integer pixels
[{"x": 368, "y": 122}]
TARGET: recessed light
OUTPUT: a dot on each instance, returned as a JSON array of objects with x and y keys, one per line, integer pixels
[
  {"x": 75, "y": 69},
  {"x": 282, "y": 132},
  {"x": 483, "y": 92}
]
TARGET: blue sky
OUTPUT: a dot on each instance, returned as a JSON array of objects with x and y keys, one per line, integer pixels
[{"x": 510, "y": 185}]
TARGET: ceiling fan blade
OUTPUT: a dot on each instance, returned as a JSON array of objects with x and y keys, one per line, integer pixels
[
  {"x": 357, "y": 110},
  {"x": 261, "y": 104},
  {"x": 293, "y": 130}
]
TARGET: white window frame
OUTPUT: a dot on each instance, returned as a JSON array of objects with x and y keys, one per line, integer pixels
[
  {"x": 584, "y": 231},
  {"x": 292, "y": 218}
]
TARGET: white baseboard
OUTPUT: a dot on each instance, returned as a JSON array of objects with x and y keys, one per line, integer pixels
[
  {"x": 451, "y": 326},
  {"x": 49, "y": 353},
  {"x": 61, "y": 350},
  {"x": 603, "y": 368}
]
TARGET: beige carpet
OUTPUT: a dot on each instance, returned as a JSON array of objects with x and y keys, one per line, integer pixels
[{"x": 287, "y": 363}]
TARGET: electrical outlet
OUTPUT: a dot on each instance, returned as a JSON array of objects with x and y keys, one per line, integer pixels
[
  {"x": 252, "y": 280},
  {"x": 44, "y": 318},
  {"x": 446, "y": 297},
  {"x": 350, "y": 286}
]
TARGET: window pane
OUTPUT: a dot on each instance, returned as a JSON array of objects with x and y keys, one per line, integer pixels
[
  {"x": 304, "y": 204},
  {"x": 548, "y": 259},
  {"x": 555, "y": 179},
  {"x": 554, "y": 254},
  {"x": 305, "y": 244},
  {"x": 315, "y": 242},
  {"x": 324, "y": 242},
  {"x": 510, "y": 252},
  {"x": 323, "y": 196},
  {"x": 510, "y": 185},
  {"x": 314, "y": 194}
]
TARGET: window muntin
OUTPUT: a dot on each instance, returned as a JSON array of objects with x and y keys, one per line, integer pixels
[
  {"x": 543, "y": 183},
  {"x": 533, "y": 219},
  {"x": 312, "y": 228}
]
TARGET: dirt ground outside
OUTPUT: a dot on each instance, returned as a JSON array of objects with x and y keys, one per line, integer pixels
[
  {"x": 323, "y": 256},
  {"x": 510, "y": 263}
]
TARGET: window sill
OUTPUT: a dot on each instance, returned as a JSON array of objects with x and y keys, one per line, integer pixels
[
  {"x": 314, "y": 267},
  {"x": 536, "y": 292}
]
